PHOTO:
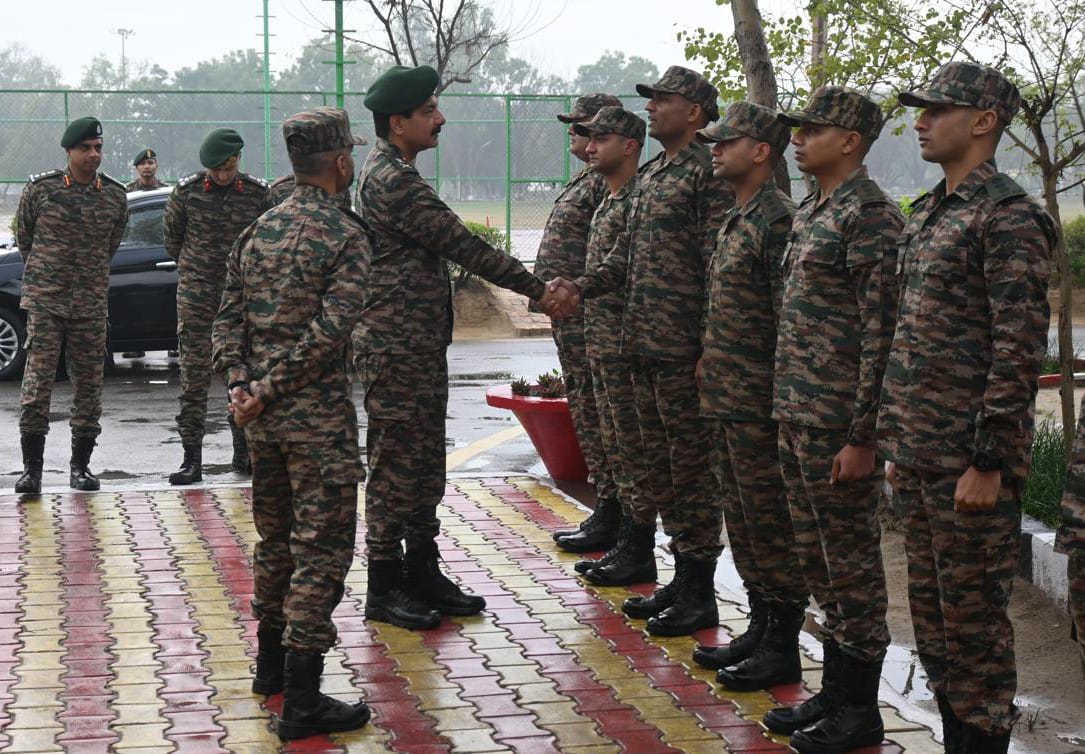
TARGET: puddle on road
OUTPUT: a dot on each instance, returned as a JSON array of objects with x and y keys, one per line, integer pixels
[
  {"x": 480, "y": 376},
  {"x": 1072, "y": 740},
  {"x": 114, "y": 474}
]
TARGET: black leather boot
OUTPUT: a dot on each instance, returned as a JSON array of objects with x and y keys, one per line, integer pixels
[
  {"x": 743, "y": 645},
  {"x": 191, "y": 470},
  {"x": 386, "y": 601},
  {"x": 583, "y": 566},
  {"x": 307, "y": 712},
  {"x": 951, "y": 725},
  {"x": 790, "y": 719},
  {"x": 270, "y": 657},
  {"x": 694, "y": 606},
  {"x": 33, "y": 452},
  {"x": 242, "y": 461},
  {"x": 634, "y": 563},
  {"x": 855, "y": 721},
  {"x": 975, "y": 741},
  {"x": 659, "y": 600},
  {"x": 776, "y": 660},
  {"x": 423, "y": 580},
  {"x": 599, "y": 530},
  {"x": 80, "y": 477}
]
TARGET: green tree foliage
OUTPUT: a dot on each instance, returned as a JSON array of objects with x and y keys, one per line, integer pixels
[{"x": 615, "y": 74}]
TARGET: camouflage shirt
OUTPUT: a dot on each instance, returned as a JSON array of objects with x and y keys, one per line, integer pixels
[
  {"x": 282, "y": 187},
  {"x": 137, "y": 186},
  {"x": 608, "y": 230},
  {"x": 1071, "y": 533},
  {"x": 67, "y": 235},
  {"x": 972, "y": 327},
  {"x": 201, "y": 223},
  {"x": 679, "y": 205},
  {"x": 564, "y": 240},
  {"x": 745, "y": 289},
  {"x": 293, "y": 294},
  {"x": 408, "y": 306},
  {"x": 836, "y": 320}
]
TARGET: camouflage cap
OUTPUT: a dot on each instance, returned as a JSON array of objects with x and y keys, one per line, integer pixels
[
  {"x": 79, "y": 130},
  {"x": 690, "y": 84},
  {"x": 145, "y": 154},
  {"x": 588, "y": 105},
  {"x": 970, "y": 85},
  {"x": 321, "y": 129},
  {"x": 747, "y": 119},
  {"x": 837, "y": 106},
  {"x": 613, "y": 120}
]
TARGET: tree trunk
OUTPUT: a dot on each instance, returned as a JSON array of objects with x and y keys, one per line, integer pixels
[{"x": 1066, "y": 310}]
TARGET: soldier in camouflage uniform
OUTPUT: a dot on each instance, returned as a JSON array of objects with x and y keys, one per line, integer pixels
[
  {"x": 745, "y": 288},
  {"x": 283, "y": 186},
  {"x": 662, "y": 271},
  {"x": 205, "y": 214},
  {"x": 70, "y": 223},
  {"x": 146, "y": 165},
  {"x": 835, "y": 327},
  {"x": 1071, "y": 534},
  {"x": 959, "y": 394},
  {"x": 294, "y": 291},
  {"x": 561, "y": 254},
  {"x": 400, "y": 350}
]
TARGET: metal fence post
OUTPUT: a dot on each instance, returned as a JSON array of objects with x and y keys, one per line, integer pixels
[{"x": 508, "y": 174}]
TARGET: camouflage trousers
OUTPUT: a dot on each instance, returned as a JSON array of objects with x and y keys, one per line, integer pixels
[
  {"x": 755, "y": 509},
  {"x": 194, "y": 339},
  {"x": 960, "y": 578},
  {"x": 639, "y": 484},
  {"x": 838, "y": 539},
  {"x": 84, "y": 342},
  {"x": 576, "y": 372},
  {"x": 305, "y": 506},
  {"x": 676, "y": 435},
  {"x": 1075, "y": 571},
  {"x": 406, "y": 397}
]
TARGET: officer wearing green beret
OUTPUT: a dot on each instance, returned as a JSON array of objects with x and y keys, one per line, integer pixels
[
  {"x": 70, "y": 224},
  {"x": 204, "y": 215},
  {"x": 146, "y": 164},
  {"x": 399, "y": 350}
]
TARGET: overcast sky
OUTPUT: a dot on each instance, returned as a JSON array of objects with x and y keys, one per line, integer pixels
[{"x": 555, "y": 35}]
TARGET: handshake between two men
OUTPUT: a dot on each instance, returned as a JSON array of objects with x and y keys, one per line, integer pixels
[{"x": 561, "y": 299}]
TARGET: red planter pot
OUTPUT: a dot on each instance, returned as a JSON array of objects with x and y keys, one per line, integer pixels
[{"x": 548, "y": 424}]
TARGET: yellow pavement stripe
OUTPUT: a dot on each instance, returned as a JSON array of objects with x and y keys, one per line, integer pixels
[{"x": 462, "y": 455}]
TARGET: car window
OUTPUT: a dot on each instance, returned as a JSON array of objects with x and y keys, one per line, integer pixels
[{"x": 144, "y": 227}]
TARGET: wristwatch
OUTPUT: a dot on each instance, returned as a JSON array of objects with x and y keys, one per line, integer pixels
[{"x": 984, "y": 461}]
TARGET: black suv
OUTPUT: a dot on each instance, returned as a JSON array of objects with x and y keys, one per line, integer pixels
[{"x": 142, "y": 290}]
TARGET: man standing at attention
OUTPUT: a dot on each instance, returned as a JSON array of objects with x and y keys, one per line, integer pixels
[
  {"x": 400, "y": 347},
  {"x": 71, "y": 222},
  {"x": 836, "y": 324},
  {"x": 146, "y": 164},
  {"x": 293, "y": 293},
  {"x": 959, "y": 396},
  {"x": 205, "y": 213}
]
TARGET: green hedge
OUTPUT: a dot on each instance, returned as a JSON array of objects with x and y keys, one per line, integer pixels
[
  {"x": 493, "y": 236},
  {"x": 1074, "y": 233},
  {"x": 1043, "y": 490}
]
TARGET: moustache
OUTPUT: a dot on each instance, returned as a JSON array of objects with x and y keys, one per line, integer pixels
[{"x": 435, "y": 131}]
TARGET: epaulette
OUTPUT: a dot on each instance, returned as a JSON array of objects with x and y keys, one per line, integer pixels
[
  {"x": 289, "y": 177},
  {"x": 868, "y": 193},
  {"x": 188, "y": 180},
  {"x": 773, "y": 208},
  {"x": 704, "y": 159},
  {"x": 651, "y": 163},
  {"x": 253, "y": 179},
  {"x": 110, "y": 179},
  {"x": 1001, "y": 187},
  {"x": 47, "y": 174}
]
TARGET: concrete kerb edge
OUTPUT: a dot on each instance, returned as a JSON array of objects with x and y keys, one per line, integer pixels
[{"x": 1040, "y": 564}]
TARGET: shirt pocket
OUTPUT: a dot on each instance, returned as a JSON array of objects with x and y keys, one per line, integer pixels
[{"x": 941, "y": 274}]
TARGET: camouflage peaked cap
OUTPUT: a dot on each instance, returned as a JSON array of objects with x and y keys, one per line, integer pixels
[
  {"x": 321, "y": 129},
  {"x": 747, "y": 119},
  {"x": 690, "y": 84},
  {"x": 613, "y": 120},
  {"x": 970, "y": 85},
  {"x": 837, "y": 106},
  {"x": 589, "y": 105},
  {"x": 79, "y": 130}
]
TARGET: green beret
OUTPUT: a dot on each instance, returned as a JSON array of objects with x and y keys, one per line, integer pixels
[
  {"x": 401, "y": 89},
  {"x": 219, "y": 146},
  {"x": 80, "y": 129},
  {"x": 145, "y": 154}
]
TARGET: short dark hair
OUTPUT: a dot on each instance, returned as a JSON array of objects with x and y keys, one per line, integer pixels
[
  {"x": 382, "y": 123},
  {"x": 315, "y": 164}
]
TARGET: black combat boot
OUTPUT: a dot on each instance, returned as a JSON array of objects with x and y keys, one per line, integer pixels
[
  {"x": 583, "y": 566},
  {"x": 33, "y": 452},
  {"x": 633, "y": 563},
  {"x": 855, "y": 721},
  {"x": 776, "y": 660},
  {"x": 307, "y": 712},
  {"x": 242, "y": 461},
  {"x": 191, "y": 470},
  {"x": 975, "y": 741},
  {"x": 743, "y": 645},
  {"x": 659, "y": 600},
  {"x": 952, "y": 727},
  {"x": 270, "y": 657},
  {"x": 790, "y": 719},
  {"x": 694, "y": 606},
  {"x": 386, "y": 601},
  {"x": 80, "y": 477},
  {"x": 599, "y": 530},
  {"x": 423, "y": 581}
]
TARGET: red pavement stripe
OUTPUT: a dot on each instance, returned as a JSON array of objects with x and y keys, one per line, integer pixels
[{"x": 12, "y": 557}]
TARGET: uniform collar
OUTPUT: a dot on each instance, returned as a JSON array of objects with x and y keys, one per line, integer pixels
[
  {"x": 755, "y": 200},
  {"x": 309, "y": 191},
  {"x": 95, "y": 183},
  {"x": 972, "y": 183}
]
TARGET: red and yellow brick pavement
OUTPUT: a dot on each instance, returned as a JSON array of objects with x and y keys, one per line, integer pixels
[{"x": 125, "y": 627}]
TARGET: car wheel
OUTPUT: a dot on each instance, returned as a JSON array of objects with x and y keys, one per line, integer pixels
[{"x": 12, "y": 339}]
